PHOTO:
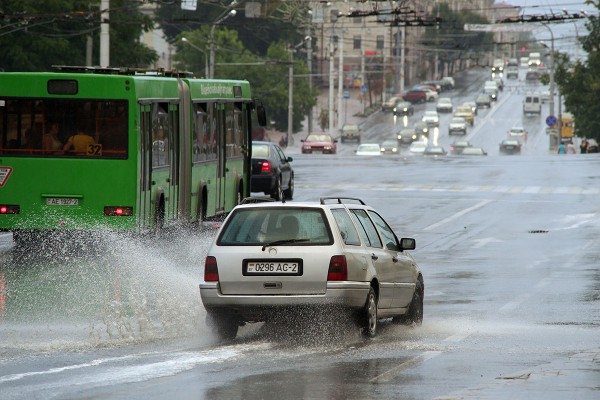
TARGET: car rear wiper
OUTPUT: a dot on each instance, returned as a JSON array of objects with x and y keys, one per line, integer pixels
[{"x": 284, "y": 241}]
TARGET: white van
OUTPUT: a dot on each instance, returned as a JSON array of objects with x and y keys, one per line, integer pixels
[{"x": 532, "y": 104}]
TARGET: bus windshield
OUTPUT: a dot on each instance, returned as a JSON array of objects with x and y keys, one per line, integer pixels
[{"x": 80, "y": 128}]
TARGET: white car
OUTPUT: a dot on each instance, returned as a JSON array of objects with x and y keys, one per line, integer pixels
[
  {"x": 274, "y": 261},
  {"x": 431, "y": 118},
  {"x": 368, "y": 149},
  {"x": 457, "y": 125},
  {"x": 518, "y": 132},
  {"x": 431, "y": 95},
  {"x": 417, "y": 147},
  {"x": 444, "y": 104}
]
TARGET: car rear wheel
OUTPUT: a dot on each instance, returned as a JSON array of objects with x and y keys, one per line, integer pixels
[
  {"x": 225, "y": 328},
  {"x": 369, "y": 317}
]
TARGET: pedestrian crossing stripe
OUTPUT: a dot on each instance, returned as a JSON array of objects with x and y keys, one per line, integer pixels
[{"x": 460, "y": 189}]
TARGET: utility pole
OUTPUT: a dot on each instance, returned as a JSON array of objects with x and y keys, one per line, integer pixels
[
  {"x": 290, "y": 97},
  {"x": 341, "y": 79},
  {"x": 310, "y": 80},
  {"x": 104, "y": 33},
  {"x": 331, "y": 84}
]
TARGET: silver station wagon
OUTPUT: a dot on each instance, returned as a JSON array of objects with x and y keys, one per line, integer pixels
[{"x": 271, "y": 259}]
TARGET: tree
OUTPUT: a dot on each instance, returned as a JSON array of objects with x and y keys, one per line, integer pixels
[
  {"x": 37, "y": 34},
  {"x": 451, "y": 41},
  {"x": 579, "y": 83},
  {"x": 267, "y": 75}
]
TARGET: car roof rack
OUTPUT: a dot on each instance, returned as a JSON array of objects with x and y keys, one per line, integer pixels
[
  {"x": 254, "y": 200},
  {"x": 341, "y": 200}
]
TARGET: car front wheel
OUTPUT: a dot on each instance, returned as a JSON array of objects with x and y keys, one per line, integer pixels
[{"x": 415, "y": 309}]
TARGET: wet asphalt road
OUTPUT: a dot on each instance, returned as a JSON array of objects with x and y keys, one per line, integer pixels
[{"x": 509, "y": 247}]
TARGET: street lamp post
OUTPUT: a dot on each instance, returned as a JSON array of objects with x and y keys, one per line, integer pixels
[
  {"x": 291, "y": 50},
  {"x": 229, "y": 12},
  {"x": 551, "y": 98},
  {"x": 185, "y": 40}
]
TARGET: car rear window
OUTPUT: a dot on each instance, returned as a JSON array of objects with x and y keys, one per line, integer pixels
[{"x": 260, "y": 225}]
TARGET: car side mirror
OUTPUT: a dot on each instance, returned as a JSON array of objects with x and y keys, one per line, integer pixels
[{"x": 407, "y": 244}]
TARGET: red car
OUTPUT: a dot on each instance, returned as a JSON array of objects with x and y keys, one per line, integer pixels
[
  {"x": 319, "y": 143},
  {"x": 415, "y": 96}
]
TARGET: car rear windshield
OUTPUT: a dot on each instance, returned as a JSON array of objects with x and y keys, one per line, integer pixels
[{"x": 288, "y": 225}]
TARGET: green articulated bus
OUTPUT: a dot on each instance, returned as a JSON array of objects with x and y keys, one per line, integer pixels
[{"x": 121, "y": 149}]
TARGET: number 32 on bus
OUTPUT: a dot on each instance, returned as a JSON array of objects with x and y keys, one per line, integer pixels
[{"x": 121, "y": 149}]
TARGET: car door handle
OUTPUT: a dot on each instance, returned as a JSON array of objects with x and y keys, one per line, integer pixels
[{"x": 374, "y": 257}]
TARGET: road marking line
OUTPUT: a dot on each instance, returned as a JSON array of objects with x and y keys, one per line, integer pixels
[
  {"x": 458, "y": 215},
  {"x": 392, "y": 373}
]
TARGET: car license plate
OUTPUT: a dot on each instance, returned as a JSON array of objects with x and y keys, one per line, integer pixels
[
  {"x": 62, "y": 201},
  {"x": 273, "y": 267}
]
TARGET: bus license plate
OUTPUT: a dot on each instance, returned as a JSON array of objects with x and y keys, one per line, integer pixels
[
  {"x": 272, "y": 268},
  {"x": 62, "y": 201}
]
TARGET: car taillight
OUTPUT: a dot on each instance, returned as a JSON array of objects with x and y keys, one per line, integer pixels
[
  {"x": 117, "y": 211},
  {"x": 9, "y": 209},
  {"x": 338, "y": 269},
  {"x": 266, "y": 167},
  {"x": 211, "y": 272}
]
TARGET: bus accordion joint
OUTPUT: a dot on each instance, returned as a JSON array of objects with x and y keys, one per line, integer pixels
[{"x": 116, "y": 211}]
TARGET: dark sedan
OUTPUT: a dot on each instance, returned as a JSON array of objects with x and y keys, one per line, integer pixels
[
  {"x": 272, "y": 173},
  {"x": 510, "y": 146}
]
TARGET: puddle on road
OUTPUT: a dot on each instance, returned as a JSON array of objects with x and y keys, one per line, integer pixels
[{"x": 101, "y": 291}]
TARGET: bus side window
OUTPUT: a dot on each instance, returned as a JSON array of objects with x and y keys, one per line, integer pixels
[{"x": 201, "y": 130}]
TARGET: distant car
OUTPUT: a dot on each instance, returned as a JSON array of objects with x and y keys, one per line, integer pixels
[
  {"x": 448, "y": 82},
  {"x": 510, "y": 146},
  {"x": 517, "y": 132},
  {"x": 473, "y": 151},
  {"x": 415, "y": 96},
  {"x": 404, "y": 108},
  {"x": 390, "y": 147},
  {"x": 368, "y": 149},
  {"x": 532, "y": 76},
  {"x": 350, "y": 132},
  {"x": 390, "y": 103},
  {"x": 492, "y": 92},
  {"x": 422, "y": 129},
  {"x": 417, "y": 147},
  {"x": 458, "y": 145},
  {"x": 434, "y": 151},
  {"x": 465, "y": 112},
  {"x": 483, "y": 101},
  {"x": 437, "y": 85},
  {"x": 524, "y": 62},
  {"x": 473, "y": 106},
  {"x": 457, "y": 125},
  {"x": 272, "y": 172},
  {"x": 431, "y": 118},
  {"x": 512, "y": 72},
  {"x": 444, "y": 104},
  {"x": 407, "y": 135},
  {"x": 430, "y": 92},
  {"x": 319, "y": 143},
  {"x": 498, "y": 65}
]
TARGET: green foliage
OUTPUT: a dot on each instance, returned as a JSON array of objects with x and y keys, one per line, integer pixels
[
  {"x": 36, "y": 34},
  {"x": 579, "y": 83}
]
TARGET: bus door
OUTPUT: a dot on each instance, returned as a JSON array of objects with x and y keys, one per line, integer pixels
[
  {"x": 145, "y": 210},
  {"x": 159, "y": 122},
  {"x": 221, "y": 181}
]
